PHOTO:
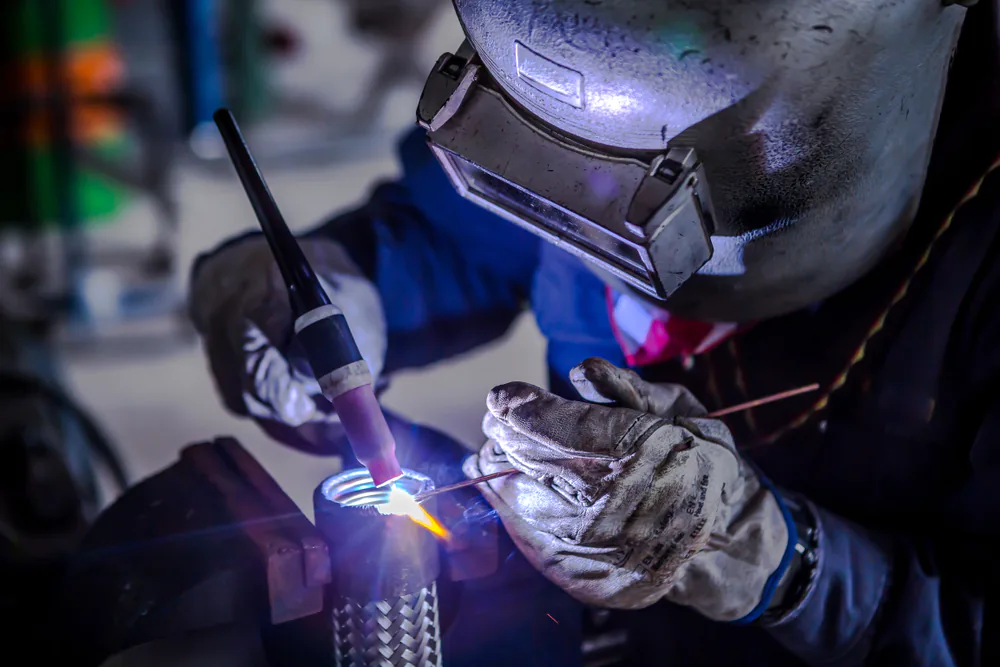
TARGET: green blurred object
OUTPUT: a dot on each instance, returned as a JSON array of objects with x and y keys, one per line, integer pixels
[
  {"x": 28, "y": 197},
  {"x": 82, "y": 21},
  {"x": 92, "y": 68},
  {"x": 249, "y": 88}
]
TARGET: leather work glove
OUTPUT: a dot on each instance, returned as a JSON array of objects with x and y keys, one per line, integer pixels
[
  {"x": 625, "y": 505},
  {"x": 239, "y": 304}
]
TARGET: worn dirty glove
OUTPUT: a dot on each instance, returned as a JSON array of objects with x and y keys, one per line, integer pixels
[
  {"x": 239, "y": 304},
  {"x": 629, "y": 504}
]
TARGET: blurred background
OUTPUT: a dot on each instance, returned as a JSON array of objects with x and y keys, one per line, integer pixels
[{"x": 113, "y": 180}]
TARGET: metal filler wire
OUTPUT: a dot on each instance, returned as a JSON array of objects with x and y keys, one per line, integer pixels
[{"x": 420, "y": 497}]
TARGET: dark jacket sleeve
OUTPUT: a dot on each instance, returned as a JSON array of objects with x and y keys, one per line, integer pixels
[
  {"x": 891, "y": 600},
  {"x": 929, "y": 598},
  {"x": 451, "y": 275}
]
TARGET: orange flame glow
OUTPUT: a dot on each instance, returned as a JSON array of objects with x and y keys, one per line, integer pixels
[
  {"x": 422, "y": 517},
  {"x": 402, "y": 503}
]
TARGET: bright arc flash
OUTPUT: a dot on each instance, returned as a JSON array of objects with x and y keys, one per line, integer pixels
[{"x": 402, "y": 503}]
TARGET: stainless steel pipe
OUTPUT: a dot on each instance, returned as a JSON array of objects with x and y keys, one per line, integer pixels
[{"x": 384, "y": 592}]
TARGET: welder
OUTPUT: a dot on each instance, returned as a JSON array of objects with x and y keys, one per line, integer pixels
[{"x": 703, "y": 203}]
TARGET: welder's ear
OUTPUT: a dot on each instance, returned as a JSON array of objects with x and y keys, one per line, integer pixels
[{"x": 599, "y": 381}]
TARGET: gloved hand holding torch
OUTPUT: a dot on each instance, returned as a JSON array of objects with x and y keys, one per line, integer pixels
[
  {"x": 239, "y": 304},
  {"x": 625, "y": 505},
  {"x": 335, "y": 361}
]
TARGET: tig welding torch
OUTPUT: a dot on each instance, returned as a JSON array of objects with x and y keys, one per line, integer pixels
[{"x": 320, "y": 327}]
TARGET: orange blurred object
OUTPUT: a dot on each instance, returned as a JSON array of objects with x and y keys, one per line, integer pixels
[{"x": 91, "y": 71}]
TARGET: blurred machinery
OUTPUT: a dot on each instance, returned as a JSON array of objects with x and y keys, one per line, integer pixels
[
  {"x": 82, "y": 141},
  {"x": 395, "y": 28},
  {"x": 79, "y": 142},
  {"x": 237, "y": 69}
]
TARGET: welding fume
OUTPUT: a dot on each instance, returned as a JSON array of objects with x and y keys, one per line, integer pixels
[{"x": 702, "y": 204}]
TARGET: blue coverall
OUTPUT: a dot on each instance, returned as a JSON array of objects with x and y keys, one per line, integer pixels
[
  {"x": 902, "y": 460},
  {"x": 899, "y": 452}
]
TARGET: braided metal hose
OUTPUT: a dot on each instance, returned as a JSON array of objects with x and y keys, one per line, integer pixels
[
  {"x": 384, "y": 595},
  {"x": 403, "y": 632}
]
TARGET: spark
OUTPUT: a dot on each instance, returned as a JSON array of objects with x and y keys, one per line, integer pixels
[
  {"x": 401, "y": 503},
  {"x": 553, "y": 618}
]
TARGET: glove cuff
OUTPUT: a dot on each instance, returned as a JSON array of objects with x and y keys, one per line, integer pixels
[{"x": 771, "y": 586}]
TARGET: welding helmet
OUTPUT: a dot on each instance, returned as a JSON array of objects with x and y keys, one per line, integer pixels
[{"x": 729, "y": 160}]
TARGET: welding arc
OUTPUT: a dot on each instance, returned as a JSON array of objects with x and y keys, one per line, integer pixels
[{"x": 420, "y": 497}]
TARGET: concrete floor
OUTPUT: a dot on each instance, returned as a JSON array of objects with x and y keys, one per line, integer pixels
[{"x": 154, "y": 406}]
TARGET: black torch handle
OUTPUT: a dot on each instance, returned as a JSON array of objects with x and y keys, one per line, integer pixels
[{"x": 304, "y": 289}]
